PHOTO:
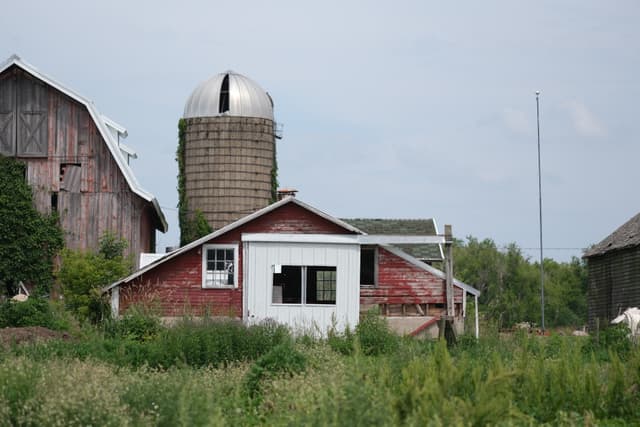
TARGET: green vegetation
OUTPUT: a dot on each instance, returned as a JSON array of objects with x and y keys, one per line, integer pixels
[
  {"x": 193, "y": 224},
  {"x": 135, "y": 371},
  {"x": 28, "y": 239},
  {"x": 84, "y": 274},
  {"x": 510, "y": 284}
]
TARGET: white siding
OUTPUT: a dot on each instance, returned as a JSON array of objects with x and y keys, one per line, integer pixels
[{"x": 259, "y": 259}]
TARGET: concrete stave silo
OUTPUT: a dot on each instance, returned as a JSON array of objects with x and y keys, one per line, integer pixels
[{"x": 229, "y": 149}]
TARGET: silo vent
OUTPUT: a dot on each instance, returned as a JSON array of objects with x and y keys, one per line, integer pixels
[{"x": 223, "y": 107}]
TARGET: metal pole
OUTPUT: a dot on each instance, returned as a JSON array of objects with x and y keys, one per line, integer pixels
[{"x": 540, "y": 210}]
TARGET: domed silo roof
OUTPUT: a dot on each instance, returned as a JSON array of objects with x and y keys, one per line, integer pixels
[{"x": 229, "y": 94}]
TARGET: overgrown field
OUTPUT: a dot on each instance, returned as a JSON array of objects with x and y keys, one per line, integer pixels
[{"x": 136, "y": 372}]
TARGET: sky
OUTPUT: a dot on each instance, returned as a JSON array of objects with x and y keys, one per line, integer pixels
[{"x": 406, "y": 109}]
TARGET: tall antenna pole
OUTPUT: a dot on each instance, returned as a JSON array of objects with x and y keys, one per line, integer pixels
[{"x": 540, "y": 210}]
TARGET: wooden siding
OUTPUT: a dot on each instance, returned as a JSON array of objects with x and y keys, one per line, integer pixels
[
  {"x": 94, "y": 197},
  {"x": 400, "y": 282},
  {"x": 176, "y": 285},
  {"x": 614, "y": 284}
]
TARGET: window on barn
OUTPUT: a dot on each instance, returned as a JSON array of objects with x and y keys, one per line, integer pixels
[
  {"x": 219, "y": 266},
  {"x": 293, "y": 284},
  {"x": 368, "y": 266}
]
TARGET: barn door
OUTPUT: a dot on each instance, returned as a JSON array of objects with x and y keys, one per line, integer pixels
[
  {"x": 7, "y": 117},
  {"x": 31, "y": 108},
  {"x": 23, "y": 116}
]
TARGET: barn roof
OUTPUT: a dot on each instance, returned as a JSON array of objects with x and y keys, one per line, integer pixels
[
  {"x": 384, "y": 226},
  {"x": 342, "y": 223},
  {"x": 626, "y": 236},
  {"x": 230, "y": 227},
  {"x": 105, "y": 126}
]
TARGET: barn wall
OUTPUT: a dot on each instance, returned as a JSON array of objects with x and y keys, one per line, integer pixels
[
  {"x": 67, "y": 159},
  {"x": 614, "y": 284},
  {"x": 176, "y": 285},
  {"x": 400, "y": 282}
]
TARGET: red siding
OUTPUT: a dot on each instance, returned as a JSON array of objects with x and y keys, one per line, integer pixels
[
  {"x": 176, "y": 285},
  {"x": 400, "y": 282}
]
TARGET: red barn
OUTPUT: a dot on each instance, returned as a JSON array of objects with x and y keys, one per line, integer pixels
[
  {"x": 75, "y": 161},
  {"x": 300, "y": 266}
]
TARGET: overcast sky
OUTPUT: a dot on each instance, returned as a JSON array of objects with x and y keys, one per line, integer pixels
[{"x": 389, "y": 109}]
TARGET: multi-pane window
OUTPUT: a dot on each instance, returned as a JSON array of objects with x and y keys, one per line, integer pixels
[
  {"x": 293, "y": 284},
  {"x": 219, "y": 269},
  {"x": 325, "y": 284}
]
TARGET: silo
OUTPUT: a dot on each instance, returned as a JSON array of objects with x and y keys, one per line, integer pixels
[{"x": 229, "y": 149}]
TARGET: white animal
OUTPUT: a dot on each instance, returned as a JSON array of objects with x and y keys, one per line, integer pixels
[{"x": 631, "y": 317}]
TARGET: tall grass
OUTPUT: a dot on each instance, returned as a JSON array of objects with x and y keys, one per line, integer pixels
[{"x": 219, "y": 373}]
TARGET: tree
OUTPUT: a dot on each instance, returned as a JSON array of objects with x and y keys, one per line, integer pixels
[
  {"x": 510, "y": 284},
  {"x": 84, "y": 274},
  {"x": 29, "y": 240}
]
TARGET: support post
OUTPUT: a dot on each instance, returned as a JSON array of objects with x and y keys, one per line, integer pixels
[{"x": 448, "y": 269}]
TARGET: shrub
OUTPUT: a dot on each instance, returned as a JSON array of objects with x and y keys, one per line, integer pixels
[
  {"x": 342, "y": 343},
  {"x": 374, "y": 335},
  {"x": 282, "y": 359},
  {"x": 138, "y": 324},
  {"x": 35, "y": 311}
]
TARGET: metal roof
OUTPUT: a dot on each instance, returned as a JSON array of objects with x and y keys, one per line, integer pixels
[
  {"x": 228, "y": 228},
  {"x": 246, "y": 98},
  {"x": 104, "y": 128}
]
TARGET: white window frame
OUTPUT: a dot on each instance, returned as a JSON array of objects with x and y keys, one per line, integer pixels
[{"x": 205, "y": 249}]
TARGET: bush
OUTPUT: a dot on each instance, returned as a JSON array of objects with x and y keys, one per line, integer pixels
[
  {"x": 36, "y": 311},
  {"x": 342, "y": 343},
  {"x": 282, "y": 359},
  {"x": 613, "y": 339},
  {"x": 374, "y": 335},
  {"x": 138, "y": 324}
]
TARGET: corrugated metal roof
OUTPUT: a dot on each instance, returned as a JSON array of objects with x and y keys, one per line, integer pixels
[
  {"x": 103, "y": 128},
  {"x": 627, "y": 235},
  {"x": 246, "y": 98}
]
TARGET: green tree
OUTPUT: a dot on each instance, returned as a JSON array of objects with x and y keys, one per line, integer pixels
[
  {"x": 510, "y": 284},
  {"x": 84, "y": 274},
  {"x": 28, "y": 239}
]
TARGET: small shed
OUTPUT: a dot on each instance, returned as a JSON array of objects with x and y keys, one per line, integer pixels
[{"x": 613, "y": 267}]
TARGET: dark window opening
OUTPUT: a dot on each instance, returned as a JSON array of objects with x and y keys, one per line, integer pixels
[
  {"x": 223, "y": 105},
  {"x": 54, "y": 201},
  {"x": 295, "y": 284},
  {"x": 368, "y": 266},
  {"x": 287, "y": 285}
]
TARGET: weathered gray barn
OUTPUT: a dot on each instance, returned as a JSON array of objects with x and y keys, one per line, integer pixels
[
  {"x": 75, "y": 161},
  {"x": 614, "y": 273}
]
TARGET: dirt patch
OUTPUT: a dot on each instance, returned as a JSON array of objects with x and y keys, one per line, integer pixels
[{"x": 29, "y": 334}]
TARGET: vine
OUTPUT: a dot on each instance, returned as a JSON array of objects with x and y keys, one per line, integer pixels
[{"x": 193, "y": 225}]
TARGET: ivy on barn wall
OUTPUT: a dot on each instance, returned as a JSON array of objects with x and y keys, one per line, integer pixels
[
  {"x": 193, "y": 225},
  {"x": 29, "y": 240}
]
